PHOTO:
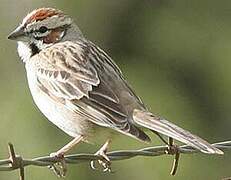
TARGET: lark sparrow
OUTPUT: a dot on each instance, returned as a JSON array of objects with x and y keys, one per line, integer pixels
[{"x": 80, "y": 89}]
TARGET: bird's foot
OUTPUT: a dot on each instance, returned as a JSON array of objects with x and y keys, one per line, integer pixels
[
  {"x": 59, "y": 168},
  {"x": 104, "y": 162}
]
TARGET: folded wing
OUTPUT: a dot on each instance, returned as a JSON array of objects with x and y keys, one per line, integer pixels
[{"x": 70, "y": 71}]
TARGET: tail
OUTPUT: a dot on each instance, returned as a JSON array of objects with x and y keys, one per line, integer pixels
[{"x": 152, "y": 122}]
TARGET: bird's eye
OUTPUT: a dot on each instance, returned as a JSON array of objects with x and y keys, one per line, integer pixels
[{"x": 43, "y": 29}]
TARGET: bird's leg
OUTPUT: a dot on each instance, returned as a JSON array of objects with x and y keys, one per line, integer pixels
[
  {"x": 60, "y": 168},
  {"x": 69, "y": 146},
  {"x": 105, "y": 162}
]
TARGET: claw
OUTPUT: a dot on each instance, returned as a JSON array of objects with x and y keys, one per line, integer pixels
[
  {"x": 104, "y": 161},
  {"x": 59, "y": 168}
]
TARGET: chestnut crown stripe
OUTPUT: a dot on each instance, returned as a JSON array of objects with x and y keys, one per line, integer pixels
[{"x": 41, "y": 14}]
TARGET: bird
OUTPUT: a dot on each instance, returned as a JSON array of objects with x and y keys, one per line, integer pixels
[{"x": 80, "y": 89}]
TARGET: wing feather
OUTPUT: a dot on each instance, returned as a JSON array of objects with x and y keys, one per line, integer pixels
[
  {"x": 67, "y": 74},
  {"x": 76, "y": 72}
]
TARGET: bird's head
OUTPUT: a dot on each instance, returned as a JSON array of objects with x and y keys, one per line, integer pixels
[{"x": 44, "y": 27}]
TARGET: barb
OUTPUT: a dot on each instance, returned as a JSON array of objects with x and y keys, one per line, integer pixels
[{"x": 17, "y": 162}]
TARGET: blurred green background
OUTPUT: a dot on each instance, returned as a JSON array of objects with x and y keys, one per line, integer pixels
[{"x": 175, "y": 54}]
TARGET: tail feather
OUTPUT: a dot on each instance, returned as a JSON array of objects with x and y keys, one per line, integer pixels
[{"x": 148, "y": 120}]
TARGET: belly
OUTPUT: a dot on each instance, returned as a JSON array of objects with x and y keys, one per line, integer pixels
[
  {"x": 64, "y": 118},
  {"x": 56, "y": 111}
]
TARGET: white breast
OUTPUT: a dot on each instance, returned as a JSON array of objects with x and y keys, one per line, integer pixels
[
  {"x": 59, "y": 114},
  {"x": 56, "y": 112}
]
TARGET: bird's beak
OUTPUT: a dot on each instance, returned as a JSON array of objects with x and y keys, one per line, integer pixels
[{"x": 18, "y": 34}]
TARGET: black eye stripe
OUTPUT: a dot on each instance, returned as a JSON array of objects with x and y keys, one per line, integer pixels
[{"x": 44, "y": 29}]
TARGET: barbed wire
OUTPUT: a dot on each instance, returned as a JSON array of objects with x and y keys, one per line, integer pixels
[{"x": 18, "y": 162}]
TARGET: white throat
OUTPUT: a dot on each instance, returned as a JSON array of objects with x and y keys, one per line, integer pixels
[{"x": 24, "y": 51}]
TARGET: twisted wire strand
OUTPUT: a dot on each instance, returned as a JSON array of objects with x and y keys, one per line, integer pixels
[{"x": 18, "y": 162}]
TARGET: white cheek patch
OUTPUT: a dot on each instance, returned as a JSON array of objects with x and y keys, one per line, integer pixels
[{"x": 24, "y": 51}]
